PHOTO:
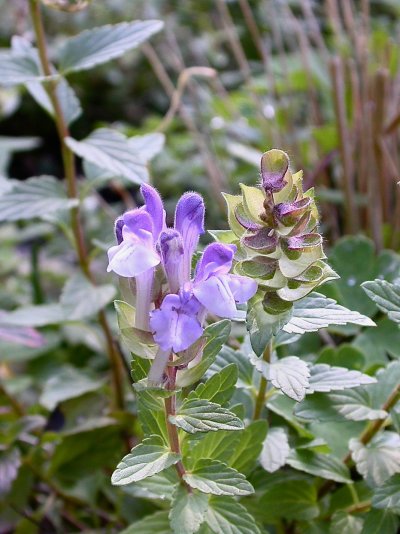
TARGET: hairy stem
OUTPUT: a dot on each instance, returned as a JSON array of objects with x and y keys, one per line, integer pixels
[
  {"x": 69, "y": 170},
  {"x": 260, "y": 401},
  {"x": 170, "y": 409}
]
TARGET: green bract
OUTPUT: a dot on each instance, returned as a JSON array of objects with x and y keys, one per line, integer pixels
[{"x": 275, "y": 229}]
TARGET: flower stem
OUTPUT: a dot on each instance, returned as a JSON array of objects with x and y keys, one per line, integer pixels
[
  {"x": 170, "y": 409},
  {"x": 260, "y": 401},
  {"x": 72, "y": 189}
]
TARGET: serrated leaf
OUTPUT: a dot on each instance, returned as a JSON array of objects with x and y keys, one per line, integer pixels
[
  {"x": 210, "y": 476},
  {"x": 345, "y": 524},
  {"x": 325, "y": 378},
  {"x": 275, "y": 450},
  {"x": 378, "y": 343},
  {"x": 99, "y": 45},
  {"x": 200, "y": 415},
  {"x": 146, "y": 459},
  {"x": 289, "y": 374},
  {"x": 187, "y": 511},
  {"x": 388, "y": 494},
  {"x": 248, "y": 449},
  {"x": 151, "y": 414},
  {"x": 290, "y": 500},
  {"x": 284, "y": 407},
  {"x": 320, "y": 465},
  {"x": 386, "y": 296},
  {"x": 379, "y": 459},
  {"x": 35, "y": 197},
  {"x": 228, "y": 356},
  {"x": 157, "y": 487},
  {"x": 19, "y": 68},
  {"x": 214, "y": 445},
  {"x": 216, "y": 335},
  {"x": 380, "y": 522},
  {"x": 157, "y": 523},
  {"x": 219, "y": 387},
  {"x": 227, "y": 516},
  {"x": 110, "y": 150},
  {"x": 67, "y": 383},
  {"x": 262, "y": 325},
  {"x": 317, "y": 311}
]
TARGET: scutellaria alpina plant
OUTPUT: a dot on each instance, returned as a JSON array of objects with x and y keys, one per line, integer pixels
[{"x": 184, "y": 376}]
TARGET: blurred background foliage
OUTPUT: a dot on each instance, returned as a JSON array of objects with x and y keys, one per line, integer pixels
[{"x": 319, "y": 79}]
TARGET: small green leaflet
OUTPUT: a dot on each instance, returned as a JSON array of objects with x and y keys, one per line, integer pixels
[
  {"x": 187, "y": 511},
  {"x": 379, "y": 459},
  {"x": 35, "y": 197},
  {"x": 99, "y": 45},
  {"x": 146, "y": 459},
  {"x": 386, "y": 296},
  {"x": 217, "y": 478},
  {"x": 275, "y": 449},
  {"x": 214, "y": 445},
  {"x": 219, "y": 387},
  {"x": 200, "y": 415},
  {"x": 320, "y": 465},
  {"x": 110, "y": 150},
  {"x": 227, "y": 516},
  {"x": 157, "y": 523},
  {"x": 388, "y": 495},
  {"x": 289, "y": 374},
  {"x": 317, "y": 311},
  {"x": 67, "y": 383}
]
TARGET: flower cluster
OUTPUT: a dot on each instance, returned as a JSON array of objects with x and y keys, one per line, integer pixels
[
  {"x": 274, "y": 228},
  {"x": 170, "y": 303}
]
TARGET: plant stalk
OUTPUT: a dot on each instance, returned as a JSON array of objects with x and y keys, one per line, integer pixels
[
  {"x": 260, "y": 401},
  {"x": 72, "y": 189}
]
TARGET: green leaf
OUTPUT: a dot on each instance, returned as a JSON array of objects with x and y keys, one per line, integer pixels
[
  {"x": 379, "y": 459},
  {"x": 214, "y": 445},
  {"x": 228, "y": 356},
  {"x": 99, "y": 45},
  {"x": 320, "y": 465},
  {"x": 275, "y": 449},
  {"x": 219, "y": 387},
  {"x": 217, "y": 478},
  {"x": 18, "y": 68},
  {"x": 380, "y": 522},
  {"x": 345, "y": 524},
  {"x": 138, "y": 342},
  {"x": 386, "y": 296},
  {"x": 284, "y": 407},
  {"x": 81, "y": 299},
  {"x": 377, "y": 343},
  {"x": 248, "y": 449},
  {"x": 200, "y": 415},
  {"x": 216, "y": 335},
  {"x": 262, "y": 325},
  {"x": 289, "y": 374},
  {"x": 317, "y": 311},
  {"x": 187, "y": 511},
  {"x": 388, "y": 494},
  {"x": 68, "y": 383},
  {"x": 35, "y": 197},
  {"x": 157, "y": 523},
  {"x": 110, "y": 150},
  {"x": 146, "y": 459},
  {"x": 325, "y": 378},
  {"x": 292, "y": 500},
  {"x": 157, "y": 487},
  {"x": 227, "y": 516},
  {"x": 152, "y": 414}
]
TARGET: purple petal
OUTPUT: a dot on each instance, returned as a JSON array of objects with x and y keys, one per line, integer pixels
[
  {"x": 137, "y": 221},
  {"x": 242, "y": 288},
  {"x": 144, "y": 286},
  {"x": 175, "y": 325},
  {"x": 131, "y": 258},
  {"x": 189, "y": 221},
  {"x": 171, "y": 247},
  {"x": 119, "y": 223},
  {"x": 216, "y": 295},
  {"x": 216, "y": 259},
  {"x": 154, "y": 207}
]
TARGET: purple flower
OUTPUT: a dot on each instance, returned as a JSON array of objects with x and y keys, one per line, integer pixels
[{"x": 177, "y": 324}]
